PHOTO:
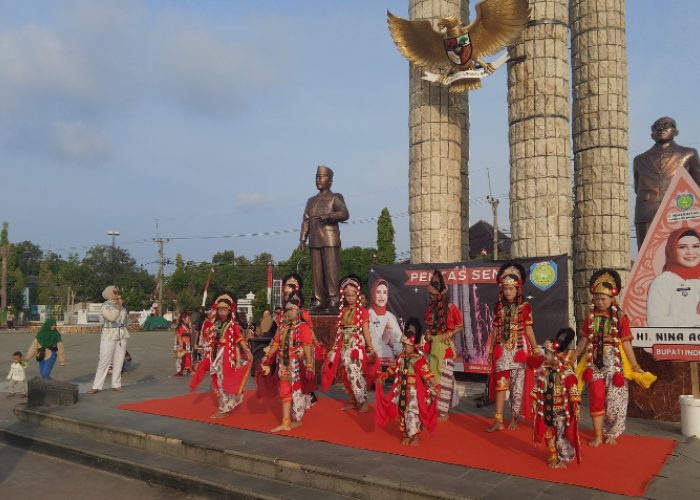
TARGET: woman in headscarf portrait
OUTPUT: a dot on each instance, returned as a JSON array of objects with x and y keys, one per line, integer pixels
[
  {"x": 385, "y": 329},
  {"x": 47, "y": 346},
  {"x": 674, "y": 295}
]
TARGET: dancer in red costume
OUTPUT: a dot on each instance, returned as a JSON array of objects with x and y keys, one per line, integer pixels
[
  {"x": 183, "y": 346},
  {"x": 513, "y": 351},
  {"x": 352, "y": 350},
  {"x": 231, "y": 356},
  {"x": 556, "y": 401},
  {"x": 444, "y": 321},
  {"x": 416, "y": 403},
  {"x": 207, "y": 347},
  {"x": 292, "y": 346},
  {"x": 606, "y": 338}
]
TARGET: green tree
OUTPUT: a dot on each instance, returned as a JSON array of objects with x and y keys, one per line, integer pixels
[
  {"x": 16, "y": 284},
  {"x": 386, "y": 248},
  {"x": 47, "y": 291},
  {"x": 27, "y": 256},
  {"x": 356, "y": 260},
  {"x": 260, "y": 304}
]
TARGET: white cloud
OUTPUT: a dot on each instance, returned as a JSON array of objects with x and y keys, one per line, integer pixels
[{"x": 253, "y": 200}]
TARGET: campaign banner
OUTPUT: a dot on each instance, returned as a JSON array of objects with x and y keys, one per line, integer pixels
[
  {"x": 399, "y": 292},
  {"x": 662, "y": 296}
]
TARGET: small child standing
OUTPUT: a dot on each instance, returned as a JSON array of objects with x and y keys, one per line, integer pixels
[
  {"x": 17, "y": 376},
  {"x": 556, "y": 401},
  {"x": 417, "y": 404}
]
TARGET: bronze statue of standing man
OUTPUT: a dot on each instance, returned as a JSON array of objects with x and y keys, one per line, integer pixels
[
  {"x": 654, "y": 170},
  {"x": 320, "y": 224}
]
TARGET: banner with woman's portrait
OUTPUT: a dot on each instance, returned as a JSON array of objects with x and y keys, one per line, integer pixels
[
  {"x": 399, "y": 292},
  {"x": 662, "y": 295}
]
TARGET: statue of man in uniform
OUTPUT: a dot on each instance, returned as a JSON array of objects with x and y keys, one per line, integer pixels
[
  {"x": 320, "y": 224},
  {"x": 654, "y": 169}
]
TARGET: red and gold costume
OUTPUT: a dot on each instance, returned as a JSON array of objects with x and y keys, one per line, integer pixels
[
  {"x": 605, "y": 366},
  {"x": 556, "y": 403},
  {"x": 409, "y": 397},
  {"x": 232, "y": 359},
  {"x": 290, "y": 342},
  {"x": 349, "y": 350},
  {"x": 510, "y": 345},
  {"x": 207, "y": 343},
  {"x": 183, "y": 346}
]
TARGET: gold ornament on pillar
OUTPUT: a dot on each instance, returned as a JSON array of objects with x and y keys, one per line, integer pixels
[{"x": 498, "y": 23}]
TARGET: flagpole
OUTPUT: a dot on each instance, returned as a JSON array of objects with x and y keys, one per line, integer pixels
[{"x": 206, "y": 287}]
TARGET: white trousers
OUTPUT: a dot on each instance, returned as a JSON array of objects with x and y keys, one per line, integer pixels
[{"x": 111, "y": 352}]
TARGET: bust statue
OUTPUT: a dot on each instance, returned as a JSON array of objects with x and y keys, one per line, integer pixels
[
  {"x": 654, "y": 169},
  {"x": 320, "y": 225}
]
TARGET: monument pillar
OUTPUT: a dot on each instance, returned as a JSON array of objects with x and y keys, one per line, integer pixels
[
  {"x": 539, "y": 134},
  {"x": 600, "y": 138},
  {"x": 438, "y": 187}
]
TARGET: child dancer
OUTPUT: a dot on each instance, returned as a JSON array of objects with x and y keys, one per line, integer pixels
[
  {"x": 352, "y": 349},
  {"x": 606, "y": 338},
  {"x": 183, "y": 346},
  {"x": 512, "y": 343},
  {"x": 556, "y": 401},
  {"x": 417, "y": 404},
  {"x": 444, "y": 321},
  {"x": 292, "y": 345}
]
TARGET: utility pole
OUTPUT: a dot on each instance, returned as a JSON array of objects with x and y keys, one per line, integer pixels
[
  {"x": 5, "y": 254},
  {"x": 113, "y": 234},
  {"x": 161, "y": 242},
  {"x": 494, "y": 204}
]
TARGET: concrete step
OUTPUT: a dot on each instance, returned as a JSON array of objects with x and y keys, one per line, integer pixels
[
  {"x": 331, "y": 482},
  {"x": 188, "y": 476}
]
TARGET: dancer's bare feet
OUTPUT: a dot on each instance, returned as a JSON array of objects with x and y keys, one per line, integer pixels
[
  {"x": 295, "y": 424},
  {"x": 596, "y": 442},
  {"x": 349, "y": 406},
  {"x": 364, "y": 408},
  {"x": 406, "y": 440},
  {"x": 218, "y": 414},
  {"x": 513, "y": 424},
  {"x": 556, "y": 464},
  {"x": 415, "y": 441},
  {"x": 610, "y": 440},
  {"x": 444, "y": 417},
  {"x": 496, "y": 426},
  {"x": 282, "y": 427}
]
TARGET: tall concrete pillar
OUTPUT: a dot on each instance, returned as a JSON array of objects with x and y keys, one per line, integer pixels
[
  {"x": 600, "y": 131},
  {"x": 438, "y": 154},
  {"x": 539, "y": 134}
]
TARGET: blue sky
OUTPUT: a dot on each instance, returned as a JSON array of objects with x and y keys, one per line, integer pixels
[{"x": 211, "y": 117}]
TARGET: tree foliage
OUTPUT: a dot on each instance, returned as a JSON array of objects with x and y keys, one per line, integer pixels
[{"x": 386, "y": 247}]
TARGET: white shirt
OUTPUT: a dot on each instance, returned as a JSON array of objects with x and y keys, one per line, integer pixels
[
  {"x": 377, "y": 325},
  {"x": 16, "y": 372},
  {"x": 673, "y": 301},
  {"x": 115, "y": 321}
]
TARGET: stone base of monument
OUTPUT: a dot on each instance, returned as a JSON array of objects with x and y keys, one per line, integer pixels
[
  {"x": 49, "y": 393},
  {"x": 661, "y": 400}
]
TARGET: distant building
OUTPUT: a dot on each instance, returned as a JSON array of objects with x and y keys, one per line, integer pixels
[{"x": 481, "y": 240}]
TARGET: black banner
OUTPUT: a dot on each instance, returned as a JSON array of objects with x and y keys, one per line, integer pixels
[{"x": 400, "y": 291}]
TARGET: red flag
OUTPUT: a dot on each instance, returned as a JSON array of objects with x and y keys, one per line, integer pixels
[
  {"x": 269, "y": 274},
  {"x": 484, "y": 253}
]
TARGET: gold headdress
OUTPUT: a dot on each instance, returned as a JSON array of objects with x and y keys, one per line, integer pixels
[{"x": 606, "y": 281}]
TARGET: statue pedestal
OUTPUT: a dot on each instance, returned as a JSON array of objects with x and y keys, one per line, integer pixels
[
  {"x": 661, "y": 400},
  {"x": 325, "y": 329}
]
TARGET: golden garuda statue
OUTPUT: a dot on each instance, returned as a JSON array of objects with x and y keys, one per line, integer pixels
[{"x": 498, "y": 23}]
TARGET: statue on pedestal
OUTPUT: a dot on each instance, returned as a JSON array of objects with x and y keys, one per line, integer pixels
[
  {"x": 320, "y": 225},
  {"x": 654, "y": 169}
]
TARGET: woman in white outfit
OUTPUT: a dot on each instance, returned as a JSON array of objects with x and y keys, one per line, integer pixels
[
  {"x": 674, "y": 295},
  {"x": 113, "y": 340}
]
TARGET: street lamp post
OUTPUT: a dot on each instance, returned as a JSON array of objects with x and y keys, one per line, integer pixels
[
  {"x": 113, "y": 234},
  {"x": 299, "y": 262}
]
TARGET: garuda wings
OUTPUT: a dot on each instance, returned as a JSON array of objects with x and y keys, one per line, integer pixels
[{"x": 498, "y": 23}]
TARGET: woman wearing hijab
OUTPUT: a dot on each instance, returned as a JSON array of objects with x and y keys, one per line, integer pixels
[
  {"x": 47, "y": 346},
  {"x": 113, "y": 340},
  {"x": 385, "y": 330},
  {"x": 674, "y": 295}
]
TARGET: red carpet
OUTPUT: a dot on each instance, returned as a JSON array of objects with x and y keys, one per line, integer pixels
[{"x": 626, "y": 468}]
